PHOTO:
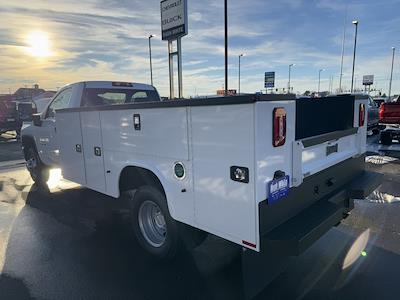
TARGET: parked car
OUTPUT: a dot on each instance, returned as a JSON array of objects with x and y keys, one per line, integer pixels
[
  {"x": 9, "y": 120},
  {"x": 390, "y": 115}
]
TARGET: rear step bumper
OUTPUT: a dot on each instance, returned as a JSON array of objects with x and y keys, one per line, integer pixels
[{"x": 297, "y": 234}]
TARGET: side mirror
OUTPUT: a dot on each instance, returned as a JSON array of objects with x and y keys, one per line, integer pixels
[{"x": 37, "y": 120}]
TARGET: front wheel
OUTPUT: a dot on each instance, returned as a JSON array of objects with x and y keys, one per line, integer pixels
[
  {"x": 38, "y": 171},
  {"x": 152, "y": 224}
]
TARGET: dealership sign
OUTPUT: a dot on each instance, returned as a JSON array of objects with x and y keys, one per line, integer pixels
[
  {"x": 269, "y": 80},
  {"x": 174, "y": 19},
  {"x": 368, "y": 79}
]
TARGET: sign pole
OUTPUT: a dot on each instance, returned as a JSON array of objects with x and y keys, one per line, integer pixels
[
  {"x": 171, "y": 70},
  {"x": 174, "y": 25},
  {"x": 180, "y": 86}
]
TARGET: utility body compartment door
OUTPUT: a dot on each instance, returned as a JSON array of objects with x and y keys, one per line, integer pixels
[
  {"x": 222, "y": 138},
  {"x": 93, "y": 150},
  {"x": 72, "y": 160}
]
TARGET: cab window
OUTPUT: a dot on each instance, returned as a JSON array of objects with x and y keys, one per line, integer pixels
[
  {"x": 60, "y": 102},
  {"x": 99, "y": 97}
]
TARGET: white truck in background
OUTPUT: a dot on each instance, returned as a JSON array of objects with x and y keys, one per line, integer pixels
[{"x": 270, "y": 173}]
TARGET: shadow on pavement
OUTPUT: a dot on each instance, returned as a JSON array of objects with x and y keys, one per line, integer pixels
[
  {"x": 77, "y": 244},
  {"x": 12, "y": 288}
]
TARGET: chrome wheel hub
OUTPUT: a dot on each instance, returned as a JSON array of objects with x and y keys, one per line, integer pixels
[{"x": 152, "y": 223}]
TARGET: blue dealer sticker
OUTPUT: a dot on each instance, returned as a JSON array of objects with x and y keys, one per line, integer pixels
[{"x": 277, "y": 189}]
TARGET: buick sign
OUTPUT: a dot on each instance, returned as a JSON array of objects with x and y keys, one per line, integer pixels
[{"x": 173, "y": 19}]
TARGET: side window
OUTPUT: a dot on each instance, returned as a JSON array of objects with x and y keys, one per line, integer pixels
[
  {"x": 60, "y": 102},
  {"x": 144, "y": 96}
]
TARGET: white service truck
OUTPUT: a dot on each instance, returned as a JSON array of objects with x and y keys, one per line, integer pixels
[{"x": 270, "y": 173}]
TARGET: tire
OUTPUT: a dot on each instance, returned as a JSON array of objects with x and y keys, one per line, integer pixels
[
  {"x": 375, "y": 131},
  {"x": 155, "y": 230},
  {"x": 38, "y": 171},
  {"x": 386, "y": 138}
]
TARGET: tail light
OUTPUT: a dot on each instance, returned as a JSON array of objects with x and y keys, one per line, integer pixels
[
  {"x": 381, "y": 112},
  {"x": 361, "y": 119},
  {"x": 279, "y": 127}
]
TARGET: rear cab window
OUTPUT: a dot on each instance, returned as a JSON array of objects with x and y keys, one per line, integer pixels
[{"x": 105, "y": 96}]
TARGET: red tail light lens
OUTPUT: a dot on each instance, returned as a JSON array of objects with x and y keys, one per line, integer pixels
[
  {"x": 361, "y": 120},
  {"x": 381, "y": 112},
  {"x": 279, "y": 127}
]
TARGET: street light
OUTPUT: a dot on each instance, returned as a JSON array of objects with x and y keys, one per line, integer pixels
[
  {"x": 226, "y": 45},
  {"x": 151, "y": 63},
  {"x": 355, "y": 23},
  {"x": 290, "y": 69},
  {"x": 319, "y": 79},
  {"x": 240, "y": 56},
  {"x": 391, "y": 73}
]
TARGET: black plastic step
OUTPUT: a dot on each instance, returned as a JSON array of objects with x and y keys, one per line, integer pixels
[
  {"x": 365, "y": 185},
  {"x": 297, "y": 234}
]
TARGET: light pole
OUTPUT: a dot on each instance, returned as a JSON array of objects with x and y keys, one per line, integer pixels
[
  {"x": 240, "y": 56},
  {"x": 151, "y": 63},
  {"x": 391, "y": 74},
  {"x": 226, "y": 46},
  {"x": 355, "y": 23},
  {"x": 342, "y": 58},
  {"x": 319, "y": 79},
  {"x": 290, "y": 71}
]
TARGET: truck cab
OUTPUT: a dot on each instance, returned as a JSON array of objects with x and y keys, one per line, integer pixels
[{"x": 41, "y": 134}]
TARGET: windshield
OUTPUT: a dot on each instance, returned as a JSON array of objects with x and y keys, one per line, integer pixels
[{"x": 96, "y": 97}]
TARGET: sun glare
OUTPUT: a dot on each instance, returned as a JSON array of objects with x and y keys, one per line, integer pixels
[{"x": 38, "y": 44}]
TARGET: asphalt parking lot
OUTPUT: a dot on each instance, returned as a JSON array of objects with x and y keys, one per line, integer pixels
[{"x": 69, "y": 242}]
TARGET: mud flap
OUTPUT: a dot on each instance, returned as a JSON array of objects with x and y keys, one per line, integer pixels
[{"x": 260, "y": 269}]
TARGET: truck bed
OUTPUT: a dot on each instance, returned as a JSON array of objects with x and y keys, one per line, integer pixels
[{"x": 390, "y": 113}]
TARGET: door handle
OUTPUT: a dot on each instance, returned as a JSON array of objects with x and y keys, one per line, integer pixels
[{"x": 97, "y": 151}]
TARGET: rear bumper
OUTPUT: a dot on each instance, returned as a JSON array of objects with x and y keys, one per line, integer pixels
[{"x": 314, "y": 217}]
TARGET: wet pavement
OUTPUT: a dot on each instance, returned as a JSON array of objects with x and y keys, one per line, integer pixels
[
  {"x": 10, "y": 148},
  {"x": 69, "y": 242}
]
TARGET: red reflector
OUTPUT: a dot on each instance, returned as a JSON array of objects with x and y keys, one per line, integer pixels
[
  {"x": 249, "y": 244},
  {"x": 362, "y": 115},
  {"x": 279, "y": 127},
  {"x": 381, "y": 112},
  {"x": 124, "y": 84}
]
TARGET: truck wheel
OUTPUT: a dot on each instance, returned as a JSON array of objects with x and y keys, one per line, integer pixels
[
  {"x": 153, "y": 226},
  {"x": 386, "y": 138},
  {"x": 38, "y": 171}
]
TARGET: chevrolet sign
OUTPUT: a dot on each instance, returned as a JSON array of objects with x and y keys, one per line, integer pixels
[{"x": 174, "y": 18}]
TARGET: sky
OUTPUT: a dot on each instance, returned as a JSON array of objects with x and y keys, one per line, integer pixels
[{"x": 54, "y": 43}]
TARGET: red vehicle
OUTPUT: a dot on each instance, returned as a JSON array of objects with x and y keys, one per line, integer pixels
[{"x": 390, "y": 114}]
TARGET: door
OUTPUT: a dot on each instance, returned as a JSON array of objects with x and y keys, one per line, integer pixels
[
  {"x": 93, "y": 150},
  {"x": 47, "y": 142}
]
